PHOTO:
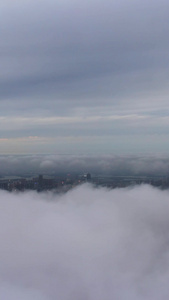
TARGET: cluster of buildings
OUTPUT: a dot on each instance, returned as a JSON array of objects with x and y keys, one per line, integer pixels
[
  {"x": 64, "y": 183},
  {"x": 43, "y": 183}
]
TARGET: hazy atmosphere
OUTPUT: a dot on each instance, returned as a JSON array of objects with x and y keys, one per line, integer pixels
[
  {"x": 108, "y": 165},
  {"x": 89, "y": 244},
  {"x": 84, "y": 150},
  {"x": 84, "y": 77}
]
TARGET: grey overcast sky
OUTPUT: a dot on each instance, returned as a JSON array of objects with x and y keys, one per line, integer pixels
[{"x": 84, "y": 77}]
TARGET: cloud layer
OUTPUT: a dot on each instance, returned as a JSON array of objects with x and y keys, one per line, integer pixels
[
  {"x": 62, "y": 164},
  {"x": 84, "y": 70},
  {"x": 86, "y": 244}
]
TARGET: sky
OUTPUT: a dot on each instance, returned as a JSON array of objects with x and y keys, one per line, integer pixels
[
  {"x": 88, "y": 244},
  {"x": 84, "y": 77}
]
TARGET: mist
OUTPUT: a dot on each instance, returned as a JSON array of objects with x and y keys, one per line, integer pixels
[
  {"x": 86, "y": 244},
  {"x": 103, "y": 164}
]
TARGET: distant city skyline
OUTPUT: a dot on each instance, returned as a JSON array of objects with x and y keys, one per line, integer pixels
[{"x": 84, "y": 77}]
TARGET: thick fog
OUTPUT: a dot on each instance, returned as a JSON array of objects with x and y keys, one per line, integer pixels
[
  {"x": 110, "y": 164},
  {"x": 87, "y": 244}
]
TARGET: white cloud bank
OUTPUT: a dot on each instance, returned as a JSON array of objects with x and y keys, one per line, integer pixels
[
  {"x": 107, "y": 164},
  {"x": 87, "y": 244}
]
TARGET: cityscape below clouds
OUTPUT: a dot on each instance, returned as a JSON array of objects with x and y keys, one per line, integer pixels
[
  {"x": 97, "y": 232},
  {"x": 84, "y": 150}
]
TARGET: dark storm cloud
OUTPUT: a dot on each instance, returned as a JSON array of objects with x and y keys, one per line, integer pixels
[{"x": 87, "y": 244}]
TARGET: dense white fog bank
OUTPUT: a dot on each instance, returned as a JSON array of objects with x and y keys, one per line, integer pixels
[{"x": 88, "y": 244}]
